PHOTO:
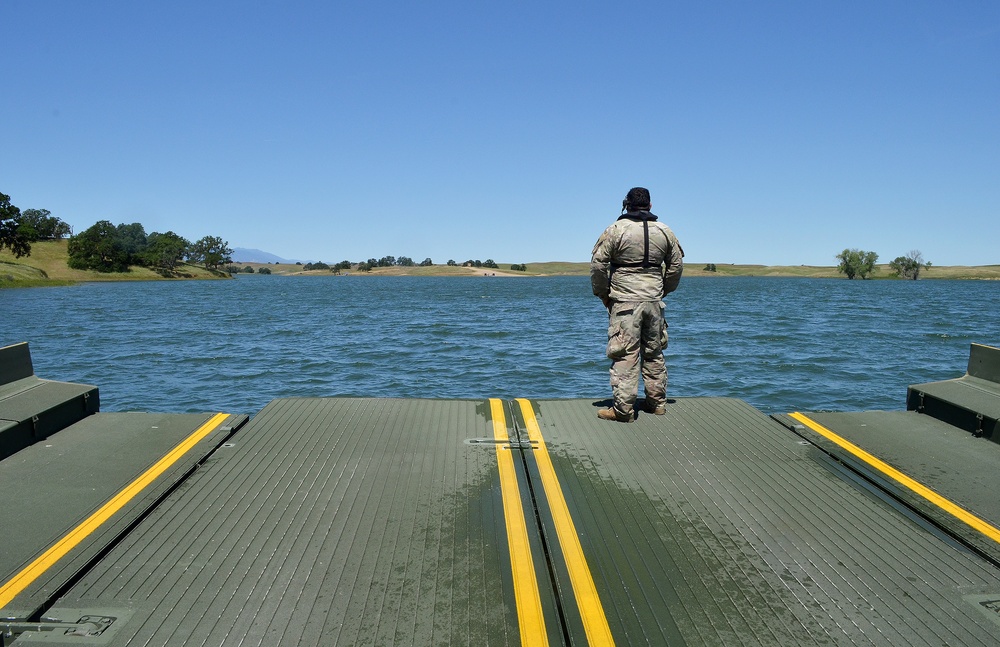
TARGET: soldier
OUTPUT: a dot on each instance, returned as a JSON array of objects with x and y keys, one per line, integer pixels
[{"x": 636, "y": 262}]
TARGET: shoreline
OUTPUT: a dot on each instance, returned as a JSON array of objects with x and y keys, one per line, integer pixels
[{"x": 47, "y": 266}]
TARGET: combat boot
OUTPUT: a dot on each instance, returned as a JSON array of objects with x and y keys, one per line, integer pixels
[
  {"x": 653, "y": 408},
  {"x": 612, "y": 414}
]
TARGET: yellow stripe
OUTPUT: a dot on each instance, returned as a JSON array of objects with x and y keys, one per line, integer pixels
[
  {"x": 589, "y": 603},
  {"x": 58, "y": 550},
  {"x": 526, "y": 596},
  {"x": 904, "y": 480}
]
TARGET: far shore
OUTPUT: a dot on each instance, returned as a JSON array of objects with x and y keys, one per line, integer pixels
[{"x": 47, "y": 265}]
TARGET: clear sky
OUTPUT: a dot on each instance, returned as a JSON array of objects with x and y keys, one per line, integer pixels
[{"x": 774, "y": 132}]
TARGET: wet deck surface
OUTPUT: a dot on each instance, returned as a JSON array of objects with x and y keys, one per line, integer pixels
[{"x": 371, "y": 521}]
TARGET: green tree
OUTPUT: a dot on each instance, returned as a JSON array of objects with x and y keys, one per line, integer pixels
[
  {"x": 133, "y": 239},
  {"x": 909, "y": 266},
  {"x": 489, "y": 263},
  {"x": 451, "y": 262},
  {"x": 404, "y": 261},
  {"x": 43, "y": 225},
  {"x": 856, "y": 263},
  {"x": 61, "y": 230},
  {"x": 427, "y": 262},
  {"x": 98, "y": 248},
  {"x": 12, "y": 235},
  {"x": 165, "y": 250},
  {"x": 211, "y": 251}
]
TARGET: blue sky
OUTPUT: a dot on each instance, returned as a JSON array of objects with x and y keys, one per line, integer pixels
[{"x": 767, "y": 132}]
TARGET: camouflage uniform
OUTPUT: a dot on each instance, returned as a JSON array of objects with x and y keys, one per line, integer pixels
[{"x": 635, "y": 263}]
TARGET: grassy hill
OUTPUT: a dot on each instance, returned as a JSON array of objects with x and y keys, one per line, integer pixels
[{"x": 47, "y": 265}]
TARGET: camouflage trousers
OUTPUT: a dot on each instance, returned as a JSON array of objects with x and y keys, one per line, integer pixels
[{"x": 637, "y": 336}]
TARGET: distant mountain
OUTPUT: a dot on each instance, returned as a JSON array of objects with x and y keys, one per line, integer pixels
[{"x": 244, "y": 255}]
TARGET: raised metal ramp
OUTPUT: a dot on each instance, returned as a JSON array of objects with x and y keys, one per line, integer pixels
[
  {"x": 417, "y": 522},
  {"x": 970, "y": 402},
  {"x": 32, "y": 409}
]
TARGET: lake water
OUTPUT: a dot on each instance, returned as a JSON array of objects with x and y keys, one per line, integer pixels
[{"x": 780, "y": 344}]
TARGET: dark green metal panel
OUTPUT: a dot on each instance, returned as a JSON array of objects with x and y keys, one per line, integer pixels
[
  {"x": 946, "y": 459},
  {"x": 970, "y": 402},
  {"x": 326, "y": 522},
  {"x": 373, "y": 521},
  {"x": 31, "y": 409},
  {"x": 42, "y": 409},
  {"x": 47, "y": 489},
  {"x": 959, "y": 403},
  {"x": 715, "y": 525},
  {"x": 15, "y": 363},
  {"x": 984, "y": 362}
]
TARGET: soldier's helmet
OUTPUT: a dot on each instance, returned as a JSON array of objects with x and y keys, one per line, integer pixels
[{"x": 637, "y": 199}]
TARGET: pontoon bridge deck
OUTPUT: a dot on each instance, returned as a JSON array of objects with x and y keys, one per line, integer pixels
[{"x": 354, "y": 521}]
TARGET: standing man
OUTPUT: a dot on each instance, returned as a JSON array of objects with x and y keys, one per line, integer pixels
[{"x": 636, "y": 262}]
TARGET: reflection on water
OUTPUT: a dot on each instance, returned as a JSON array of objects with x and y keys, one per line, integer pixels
[{"x": 780, "y": 344}]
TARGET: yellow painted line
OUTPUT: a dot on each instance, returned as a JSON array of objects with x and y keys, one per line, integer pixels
[
  {"x": 595, "y": 623},
  {"x": 526, "y": 596},
  {"x": 35, "y": 569},
  {"x": 915, "y": 486}
]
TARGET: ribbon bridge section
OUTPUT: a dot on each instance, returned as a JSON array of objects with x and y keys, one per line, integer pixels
[{"x": 347, "y": 521}]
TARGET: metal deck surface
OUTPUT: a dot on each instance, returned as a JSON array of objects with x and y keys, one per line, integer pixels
[
  {"x": 48, "y": 491},
  {"x": 949, "y": 461},
  {"x": 418, "y": 522},
  {"x": 328, "y": 521}
]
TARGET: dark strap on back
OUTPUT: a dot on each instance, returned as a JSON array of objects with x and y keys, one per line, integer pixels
[{"x": 645, "y": 264}]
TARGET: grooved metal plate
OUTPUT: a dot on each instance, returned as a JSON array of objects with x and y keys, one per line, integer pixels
[
  {"x": 949, "y": 461},
  {"x": 714, "y": 525},
  {"x": 327, "y": 522},
  {"x": 48, "y": 489},
  {"x": 364, "y": 521}
]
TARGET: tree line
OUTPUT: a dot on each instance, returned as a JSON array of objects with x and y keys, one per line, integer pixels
[
  {"x": 106, "y": 247},
  {"x": 404, "y": 261}
]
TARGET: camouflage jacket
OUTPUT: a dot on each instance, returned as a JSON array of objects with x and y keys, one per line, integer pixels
[{"x": 636, "y": 259}]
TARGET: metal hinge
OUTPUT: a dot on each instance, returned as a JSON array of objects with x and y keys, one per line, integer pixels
[
  {"x": 510, "y": 443},
  {"x": 920, "y": 405},
  {"x": 978, "y": 433},
  {"x": 85, "y": 627}
]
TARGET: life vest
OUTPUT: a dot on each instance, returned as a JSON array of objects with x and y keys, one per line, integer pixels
[{"x": 645, "y": 263}]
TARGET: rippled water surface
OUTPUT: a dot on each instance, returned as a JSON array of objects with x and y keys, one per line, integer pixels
[{"x": 780, "y": 344}]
